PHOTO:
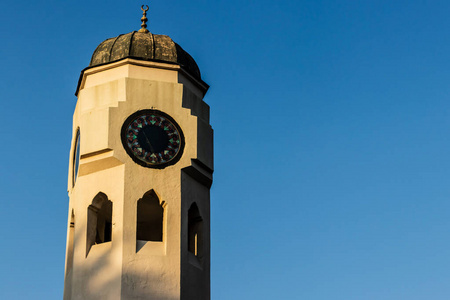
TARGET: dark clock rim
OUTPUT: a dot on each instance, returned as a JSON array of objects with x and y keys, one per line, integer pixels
[{"x": 130, "y": 153}]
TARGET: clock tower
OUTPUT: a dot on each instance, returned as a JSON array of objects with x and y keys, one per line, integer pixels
[{"x": 140, "y": 173}]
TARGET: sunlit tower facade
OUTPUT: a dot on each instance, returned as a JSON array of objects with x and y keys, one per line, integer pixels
[{"x": 140, "y": 173}]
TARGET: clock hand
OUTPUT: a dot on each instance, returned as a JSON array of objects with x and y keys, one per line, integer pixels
[{"x": 148, "y": 141}]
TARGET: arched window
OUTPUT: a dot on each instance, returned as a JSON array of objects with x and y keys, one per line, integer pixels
[
  {"x": 99, "y": 221},
  {"x": 76, "y": 157},
  {"x": 150, "y": 213},
  {"x": 70, "y": 243},
  {"x": 195, "y": 231}
]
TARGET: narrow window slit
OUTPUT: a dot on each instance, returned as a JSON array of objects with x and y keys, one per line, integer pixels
[{"x": 195, "y": 231}]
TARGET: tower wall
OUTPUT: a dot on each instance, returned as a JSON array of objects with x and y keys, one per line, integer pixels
[{"x": 125, "y": 268}]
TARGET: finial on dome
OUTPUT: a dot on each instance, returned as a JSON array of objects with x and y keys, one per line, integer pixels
[{"x": 144, "y": 19}]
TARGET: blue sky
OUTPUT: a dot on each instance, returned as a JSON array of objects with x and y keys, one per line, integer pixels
[{"x": 332, "y": 144}]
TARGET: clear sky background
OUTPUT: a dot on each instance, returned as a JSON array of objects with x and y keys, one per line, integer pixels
[{"x": 332, "y": 143}]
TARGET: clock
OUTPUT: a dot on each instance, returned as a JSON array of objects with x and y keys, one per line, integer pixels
[{"x": 152, "y": 139}]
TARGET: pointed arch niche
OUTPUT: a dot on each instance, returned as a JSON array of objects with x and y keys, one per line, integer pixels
[
  {"x": 150, "y": 218},
  {"x": 195, "y": 231},
  {"x": 76, "y": 157},
  {"x": 70, "y": 244},
  {"x": 99, "y": 221}
]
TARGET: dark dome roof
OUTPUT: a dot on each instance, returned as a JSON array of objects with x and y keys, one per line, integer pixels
[{"x": 144, "y": 46}]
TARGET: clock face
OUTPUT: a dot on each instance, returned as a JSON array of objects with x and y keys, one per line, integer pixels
[{"x": 152, "y": 138}]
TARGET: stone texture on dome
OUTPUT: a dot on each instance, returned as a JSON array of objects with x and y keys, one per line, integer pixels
[{"x": 144, "y": 46}]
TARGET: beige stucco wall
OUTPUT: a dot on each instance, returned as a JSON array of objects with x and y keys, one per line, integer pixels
[{"x": 116, "y": 270}]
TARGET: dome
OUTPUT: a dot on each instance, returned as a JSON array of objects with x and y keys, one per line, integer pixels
[{"x": 144, "y": 46}]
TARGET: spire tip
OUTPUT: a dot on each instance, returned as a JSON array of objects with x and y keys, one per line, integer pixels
[{"x": 144, "y": 19}]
